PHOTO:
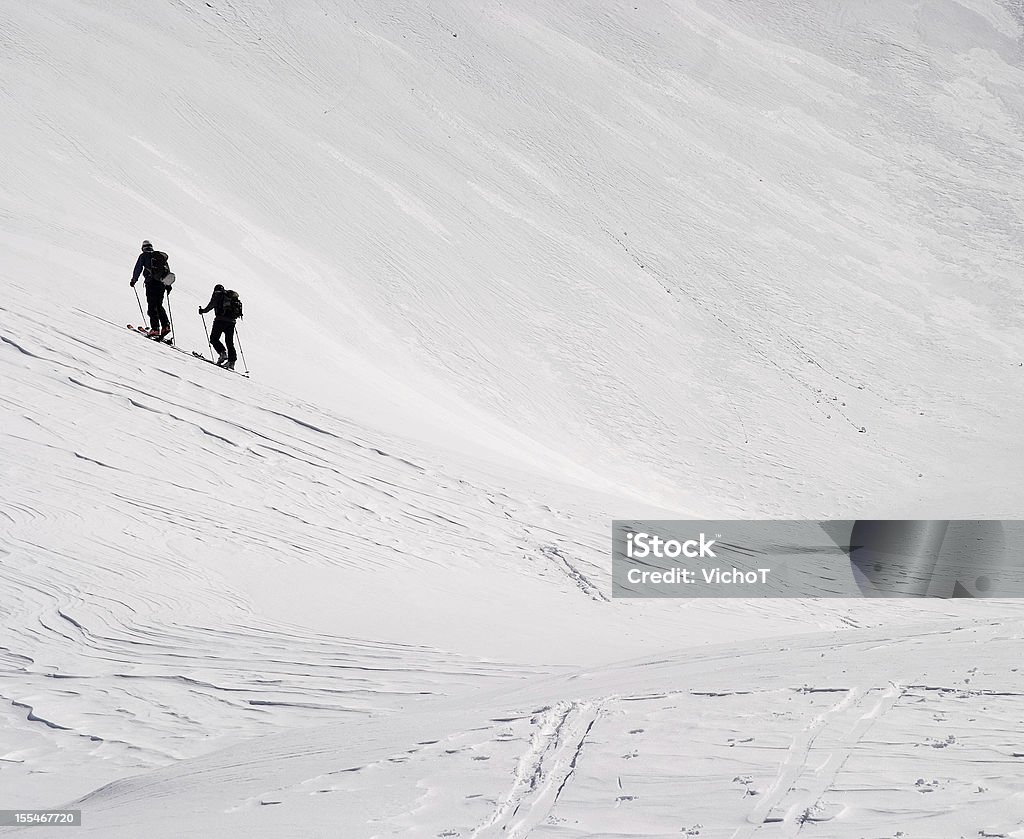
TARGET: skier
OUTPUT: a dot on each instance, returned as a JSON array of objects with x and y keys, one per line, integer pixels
[
  {"x": 152, "y": 265},
  {"x": 227, "y": 308}
]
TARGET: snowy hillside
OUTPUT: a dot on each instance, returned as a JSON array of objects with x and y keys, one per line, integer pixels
[
  {"x": 510, "y": 270},
  {"x": 686, "y": 248},
  {"x": 192, "y": 560}
]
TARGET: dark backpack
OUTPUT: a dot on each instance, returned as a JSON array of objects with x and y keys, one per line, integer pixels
[
  {"x": 232, "y": 306},
  {"x": 158, "y": 267}
]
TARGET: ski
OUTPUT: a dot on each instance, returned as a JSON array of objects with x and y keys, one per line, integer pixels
[
  {"x": 202, "y": 357},
  {"x": 144, "y": 331},
  {"x": 166, "y": 340}
]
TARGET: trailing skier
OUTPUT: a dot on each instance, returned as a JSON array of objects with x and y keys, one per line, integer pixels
[
  {"x": 153, "y": 266},
  {"x": 227, "y": 308}
]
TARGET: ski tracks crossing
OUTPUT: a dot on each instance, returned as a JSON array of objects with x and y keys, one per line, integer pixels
[{"x": 813, "y": 760}]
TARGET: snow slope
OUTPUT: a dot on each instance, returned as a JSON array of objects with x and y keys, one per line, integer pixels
[
  {"x": 681, "y": 250},
  {"x": 839, "y": 735},
  {"x": 218, "y": 597},
  {"x": 510, "y": 270}
]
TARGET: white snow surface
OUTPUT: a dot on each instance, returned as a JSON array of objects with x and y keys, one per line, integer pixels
[{"x": 511, "y": 270}]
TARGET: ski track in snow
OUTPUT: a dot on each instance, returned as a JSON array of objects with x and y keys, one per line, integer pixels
[
  {"x": 543, "y": 771},
  {"x": 801, "y": 737},
  {"x": 784, "y": 802}
]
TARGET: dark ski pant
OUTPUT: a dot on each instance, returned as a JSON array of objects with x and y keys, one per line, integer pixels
[
  {"x": 155, "y": 301},
  {"x": 227, "y": 329}
]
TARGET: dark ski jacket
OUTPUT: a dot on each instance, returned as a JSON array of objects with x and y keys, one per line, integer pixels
[
  {"x": 142, "y": 266},
  {"x": 217, "y": 304}
]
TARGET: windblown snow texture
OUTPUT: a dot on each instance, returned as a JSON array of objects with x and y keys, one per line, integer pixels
[{"x": 511, "y": 270}]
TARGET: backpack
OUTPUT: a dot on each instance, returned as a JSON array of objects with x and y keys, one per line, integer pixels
[
  {"x": 232, "y": 306},
  {"x": 158, "y": 267}
]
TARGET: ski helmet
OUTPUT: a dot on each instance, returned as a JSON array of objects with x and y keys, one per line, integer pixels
[
  {"x": 147, "y": 245},
  {"x": 218, "y": 287}
]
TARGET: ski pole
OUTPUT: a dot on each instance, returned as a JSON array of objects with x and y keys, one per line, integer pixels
[
  {"x": 170, "y": 316},
  {"x": 137, "y": 300},
  {"x": 207, "y": 333},
  {"x": 242, "y": 354}
]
